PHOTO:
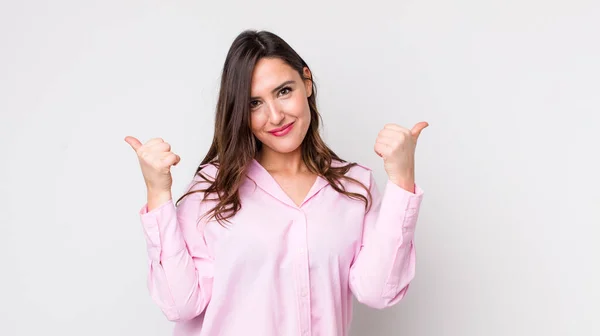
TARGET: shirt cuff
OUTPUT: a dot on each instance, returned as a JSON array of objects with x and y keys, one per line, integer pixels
[
  {"x": 399, "y": 211},
  {"x": 163, "y": 237}
]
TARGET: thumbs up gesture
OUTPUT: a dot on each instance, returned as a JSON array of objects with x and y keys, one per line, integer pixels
[
  {"x": 396, "y": 145},
  {"x": 155, "y": 159}
]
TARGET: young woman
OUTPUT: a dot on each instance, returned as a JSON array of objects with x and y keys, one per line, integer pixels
[{"x": 277, "y": 233}]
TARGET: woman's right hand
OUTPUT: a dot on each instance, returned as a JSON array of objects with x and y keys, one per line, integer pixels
[{"x": 155, "y": 159}]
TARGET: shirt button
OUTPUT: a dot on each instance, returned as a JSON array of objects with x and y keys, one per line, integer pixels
[{"x": 304, "y": 292}]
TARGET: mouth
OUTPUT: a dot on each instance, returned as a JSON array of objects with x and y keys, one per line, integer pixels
[{"x": 281, "y": 131}]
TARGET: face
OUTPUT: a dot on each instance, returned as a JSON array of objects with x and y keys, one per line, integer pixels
[{"x": 279, "y": 110}]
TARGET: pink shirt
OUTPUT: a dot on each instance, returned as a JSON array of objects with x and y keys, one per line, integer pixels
[{"x": 281, "y": 269}]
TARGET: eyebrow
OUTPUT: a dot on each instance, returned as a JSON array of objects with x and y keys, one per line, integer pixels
[{"x": 279, "y": 87}]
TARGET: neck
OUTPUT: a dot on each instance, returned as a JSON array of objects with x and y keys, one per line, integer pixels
[{"x": 288, "y": 163}]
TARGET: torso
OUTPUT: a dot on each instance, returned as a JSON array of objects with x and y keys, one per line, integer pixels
[{"x": 279, "y": 261}]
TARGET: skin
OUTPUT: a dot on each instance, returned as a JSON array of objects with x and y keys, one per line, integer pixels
[{"x": 279, "y": 97}]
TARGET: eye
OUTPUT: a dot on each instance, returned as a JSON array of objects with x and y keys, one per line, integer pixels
[
  {"x": 285, "y": 91},
  {"x": 254, "y": 104}
]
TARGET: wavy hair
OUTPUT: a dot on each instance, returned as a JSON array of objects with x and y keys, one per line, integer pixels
[{"x": 234, "y": 146}]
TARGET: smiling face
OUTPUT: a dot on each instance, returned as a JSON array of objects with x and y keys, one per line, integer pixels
[{"x": 279, "y": 110}]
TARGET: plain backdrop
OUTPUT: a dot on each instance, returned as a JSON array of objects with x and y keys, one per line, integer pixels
[{"x": 508, "y": 237}]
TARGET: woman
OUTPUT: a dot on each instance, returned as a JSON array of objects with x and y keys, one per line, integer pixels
[{"x": 276, "y": 232}]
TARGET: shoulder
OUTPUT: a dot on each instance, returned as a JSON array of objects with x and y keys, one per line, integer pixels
[
  {"x": 357, "y": 171},
  {"x": 208, "y": 170},
  {"x": 203, "y": 177},
  {"x": 193, "y": 194}
]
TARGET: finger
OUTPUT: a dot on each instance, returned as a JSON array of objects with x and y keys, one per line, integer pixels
[
  {"x": 133, "y": 142},
  {"x": 377, "y": 152},
  {"x": 393, "y": 133},
  {"x": 154, "y": 141},
  {"x": 170, "y": 159},
  {"x": 386, "y": 141},
  {"x": 177, "y": 159},
  {"x": 160, "y": 147},
  {"x": 396, "y": 128},
  {"x": 393, "y": 138},
  {"x": 416, "y": 130},
  {"x": 381, "y": 149}
]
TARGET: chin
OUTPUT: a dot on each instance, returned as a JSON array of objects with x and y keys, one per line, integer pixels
[{"x": 283, "y": 146}]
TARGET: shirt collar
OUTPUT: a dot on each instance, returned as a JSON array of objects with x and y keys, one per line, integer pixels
[{"x": 263, "y": 179}]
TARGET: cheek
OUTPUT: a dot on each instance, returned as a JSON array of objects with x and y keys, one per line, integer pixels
[
  {"x": 299, "y": 107},
  {"x": 257, "y": 121}
]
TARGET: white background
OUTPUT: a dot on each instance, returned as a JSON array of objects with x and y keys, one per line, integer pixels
[{"x": 507, "y": 242}]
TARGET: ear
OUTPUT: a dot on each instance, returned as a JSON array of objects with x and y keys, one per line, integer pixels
[{"x": 308, "y": 81}]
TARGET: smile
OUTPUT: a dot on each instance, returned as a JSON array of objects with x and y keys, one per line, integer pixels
[{"x": 281, "y": 131}]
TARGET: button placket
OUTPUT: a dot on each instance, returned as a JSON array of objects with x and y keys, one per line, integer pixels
[{"x": 303, "y": 275}]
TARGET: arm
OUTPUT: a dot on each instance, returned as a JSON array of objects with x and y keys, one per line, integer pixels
[
  {"x": 180, "y": 274},
  {"x": 385, "y": 265}
]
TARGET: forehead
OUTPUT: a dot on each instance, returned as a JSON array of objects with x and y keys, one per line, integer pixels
[{"x": 269, "y": 73}]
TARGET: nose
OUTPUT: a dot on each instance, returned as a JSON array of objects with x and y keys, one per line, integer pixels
[{"x": 276, "y": 114}]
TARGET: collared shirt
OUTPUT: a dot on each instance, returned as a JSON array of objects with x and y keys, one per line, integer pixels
[{"x": 279, "y": 268}]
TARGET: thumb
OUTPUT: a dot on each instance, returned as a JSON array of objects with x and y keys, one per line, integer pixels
[
  {"x": 133, "y": 142},
  {"x": 416, "y": 130}
]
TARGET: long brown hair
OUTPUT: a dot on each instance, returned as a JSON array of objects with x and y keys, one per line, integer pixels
[{"x": 234, "y": 146}]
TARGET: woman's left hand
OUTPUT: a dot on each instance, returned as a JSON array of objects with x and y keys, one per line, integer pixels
[{"x": 396, "y": 145}]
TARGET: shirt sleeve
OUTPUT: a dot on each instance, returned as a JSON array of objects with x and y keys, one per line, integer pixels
[
  {"x": 385, "y": 264},
  {"x": 180, "y": 277}
]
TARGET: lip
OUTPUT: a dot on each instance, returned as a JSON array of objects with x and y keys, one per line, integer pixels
[{"x": 281, "y": 131}]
